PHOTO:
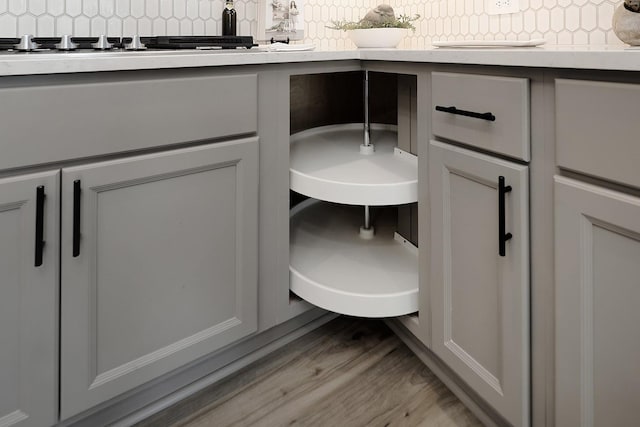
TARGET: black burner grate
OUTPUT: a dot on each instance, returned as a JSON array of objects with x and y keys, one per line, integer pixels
[
  {"x": 151, "y": 42},
  {"x": 194, "y": 42},
  {"x": 8, "y": 43}
]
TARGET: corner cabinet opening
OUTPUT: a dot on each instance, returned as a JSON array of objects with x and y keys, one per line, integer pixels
[{"x": 354, "y": 191}]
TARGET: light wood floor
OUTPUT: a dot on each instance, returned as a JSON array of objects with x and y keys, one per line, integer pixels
[{"x": 350, "y": 372}]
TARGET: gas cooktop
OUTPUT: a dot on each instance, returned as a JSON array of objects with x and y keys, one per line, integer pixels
[{"x": 28, "y": 43}]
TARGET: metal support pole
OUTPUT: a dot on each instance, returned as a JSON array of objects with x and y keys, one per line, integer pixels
[
  {"x": 367, "y": 231},
  {"x": 367, "y": 126},
  {"x": 367, "y": 218}
]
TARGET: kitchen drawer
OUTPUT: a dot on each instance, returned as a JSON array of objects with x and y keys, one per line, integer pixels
[
  {"x": 597, "y": 129},
  {"x": 96, "y": 115},
  {"x": 506, "y": 98}
]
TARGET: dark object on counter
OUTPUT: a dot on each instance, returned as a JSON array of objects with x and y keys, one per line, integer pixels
[
  {"x": 228, "y": 19},
  {"x": 199, "y": 42},
  {"x": 109, "y": 43},
  {"x": 273, "y": 40}
]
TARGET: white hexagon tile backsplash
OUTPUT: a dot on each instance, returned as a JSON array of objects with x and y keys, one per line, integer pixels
[
  {"x": 563, "y": 22},
  {"x": 120, "y": 17}
]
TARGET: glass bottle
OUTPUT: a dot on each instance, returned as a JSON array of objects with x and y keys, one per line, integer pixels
[{"x": 228, "y": 19}]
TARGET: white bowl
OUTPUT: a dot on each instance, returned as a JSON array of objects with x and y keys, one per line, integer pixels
[{"x": 377, "y": 37}]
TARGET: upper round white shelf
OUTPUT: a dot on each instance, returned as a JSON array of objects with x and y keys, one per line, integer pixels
[
  {"x": 326, "y": 164},
  {"x": 332, "y": 267}
]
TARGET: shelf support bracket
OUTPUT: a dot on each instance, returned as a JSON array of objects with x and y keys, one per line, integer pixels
[{"x": 366, "y": 147}]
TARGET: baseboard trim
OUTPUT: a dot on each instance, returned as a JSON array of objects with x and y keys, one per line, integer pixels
[
  {"x": 152, "y": 398},
  {"x": 486, "y": 414}
]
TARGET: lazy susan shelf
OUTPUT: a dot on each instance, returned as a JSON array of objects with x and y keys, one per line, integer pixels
[
  {"x": 326, "y": 164},
  {"x": 333, "y": 268}
]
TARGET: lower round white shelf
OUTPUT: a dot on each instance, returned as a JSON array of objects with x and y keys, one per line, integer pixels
[
  {"x": 327, "y": 164},
  {"x": 332, "y": 267}
]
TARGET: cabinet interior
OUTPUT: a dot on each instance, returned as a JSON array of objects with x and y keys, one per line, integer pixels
[{"x": 338, "y": 98}]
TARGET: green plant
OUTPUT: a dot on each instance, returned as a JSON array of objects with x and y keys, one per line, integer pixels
[{"x": 402, "y": 21}]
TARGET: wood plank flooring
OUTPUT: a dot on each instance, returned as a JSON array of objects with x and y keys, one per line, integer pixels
[{"x": 349, "y": 372}]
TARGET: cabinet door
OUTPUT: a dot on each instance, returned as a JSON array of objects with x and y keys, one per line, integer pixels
[
  {"x": 597, "y": 252},
  {"x": 480, "y": 300},
  {"x": 164, "y": 271},
  {"x": 29, "y": 300}
]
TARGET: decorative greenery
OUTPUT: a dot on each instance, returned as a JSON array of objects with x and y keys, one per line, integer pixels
[{"x": 402, "y": 21}]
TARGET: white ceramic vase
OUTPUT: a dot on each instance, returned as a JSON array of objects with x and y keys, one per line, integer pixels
[{"x": 626, "y": 25}]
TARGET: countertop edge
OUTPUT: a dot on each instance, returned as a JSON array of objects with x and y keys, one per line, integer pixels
[{"x": 618, "y": 58}]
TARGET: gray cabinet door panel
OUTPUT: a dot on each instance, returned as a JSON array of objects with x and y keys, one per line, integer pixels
[
  {"x": 167, "y": 270},
  {"x": 96, "y": 116},
  {"x": 480, "y": 300},
  {"x": 28, "y": 303},
  {"x": 597, "y": 252},
  {"x": 507, "y": 98},
  {"x": 597, "y": 129}
]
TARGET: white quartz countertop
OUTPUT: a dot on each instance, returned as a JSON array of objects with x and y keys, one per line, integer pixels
[{"x": 578, "y": 57}]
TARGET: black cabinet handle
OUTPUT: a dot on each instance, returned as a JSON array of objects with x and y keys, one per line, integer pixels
[
  {"x": 502, "y": 236},
  {"x": 453, "y": 110},
  {"x": 76, "y": 217},
  {"x": 40, "y": 196}
]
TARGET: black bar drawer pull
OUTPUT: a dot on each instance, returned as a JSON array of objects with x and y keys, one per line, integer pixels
[
  {"x": 40, "y": 196},
  {"x": 453, "y": 110},
  {"x": 502, "y": 237},
  {"x": 76, "y": 217}
]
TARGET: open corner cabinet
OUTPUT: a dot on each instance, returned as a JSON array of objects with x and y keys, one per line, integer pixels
[{"x": 354, "y": 192}]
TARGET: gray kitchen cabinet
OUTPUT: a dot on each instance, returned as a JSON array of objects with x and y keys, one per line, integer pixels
[
  {"x": 597, "y": 249},
  {"x": 158, "y": 265},
  {"x": 479, "y": 298},
  {"x": 29, "y": 299},
  {"x": 597, "y": 340},
  {"x": 455, "y": 94},
  {"x": 120, "y": 112},
  {"x": 612, "y": 134}
]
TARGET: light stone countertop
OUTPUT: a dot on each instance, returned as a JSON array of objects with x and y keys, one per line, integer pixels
[{"x": 578, "y": 57}]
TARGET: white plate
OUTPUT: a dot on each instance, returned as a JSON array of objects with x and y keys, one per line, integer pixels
[{"x": 489, "y": 43}]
